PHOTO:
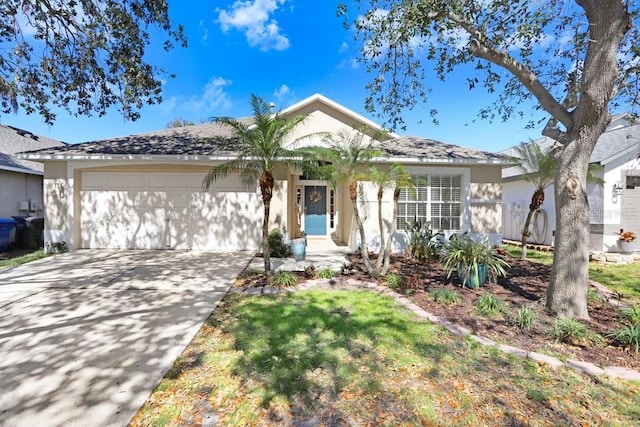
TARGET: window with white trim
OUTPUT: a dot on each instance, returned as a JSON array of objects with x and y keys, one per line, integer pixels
[{"x": 437, "y": 199}]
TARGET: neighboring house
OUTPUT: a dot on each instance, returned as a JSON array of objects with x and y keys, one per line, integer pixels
[
  {"x": 144, "y": 191},
  {"x": 613, "y": 206},
  {"x": 21, "y": 180}
]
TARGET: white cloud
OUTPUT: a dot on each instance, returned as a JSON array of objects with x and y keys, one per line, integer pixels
[
  {"x": 281, "y": 92},
  {"x": 212, "y": 101},
  {"x": 284, "y": 96},
  {"x": 343, "y": 47},
  {"x": 254, "y": 19}
]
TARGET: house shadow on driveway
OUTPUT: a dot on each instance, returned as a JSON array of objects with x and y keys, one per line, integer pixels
[{"x": 85, "y": 336}]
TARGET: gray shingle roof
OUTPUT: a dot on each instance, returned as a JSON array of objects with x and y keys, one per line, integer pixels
[
  {"x": 428, "y": 149},
  {"x": 615, "y": 142},
  {"x": 212, "y": 139},
  {"x": 14, "y": 140},
  {"x": 200, "y": 139}
]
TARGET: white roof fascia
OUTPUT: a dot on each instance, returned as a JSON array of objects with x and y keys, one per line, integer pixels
[
  {"x": 338, "y": 107},
  {"x": 419, "y": 160}
]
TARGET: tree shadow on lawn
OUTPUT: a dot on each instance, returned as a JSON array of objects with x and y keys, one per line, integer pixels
[{"x": 316, "y": 343}]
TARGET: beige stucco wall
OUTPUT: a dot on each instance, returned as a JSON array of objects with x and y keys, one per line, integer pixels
[
  {"x": 485, "y": 194},
  {"x": 55, "y": 202},
  {"x": 321, "y": 119},
  {"x": 16, "y": 187}
]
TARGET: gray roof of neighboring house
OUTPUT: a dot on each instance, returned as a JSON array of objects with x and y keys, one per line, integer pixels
[
  {"x": 216, "y": 139},
  {"x": 614, "y": 142},
  {"x": 14, "y": 140},
  {"x": 622, "y": 135},
  {"x": 428, "y": 149}
]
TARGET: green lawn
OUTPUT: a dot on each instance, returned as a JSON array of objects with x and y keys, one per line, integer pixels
[
  {"x": 621, "y": 278},
  {"x": 6, "y": 260},
  {"x": 356, "y": 358}
]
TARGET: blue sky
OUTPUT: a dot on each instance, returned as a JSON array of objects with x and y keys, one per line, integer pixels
[{"x": 285, "y": 51}]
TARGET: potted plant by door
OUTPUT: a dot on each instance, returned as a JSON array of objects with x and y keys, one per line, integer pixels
[
  {"x": 626, "y": 241},
  {"x": 475, "y": 261}
]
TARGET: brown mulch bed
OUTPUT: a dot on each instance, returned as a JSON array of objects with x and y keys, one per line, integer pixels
[{"x": 524, "y": 285}]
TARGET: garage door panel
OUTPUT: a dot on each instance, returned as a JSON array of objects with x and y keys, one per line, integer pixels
[{"x": 154, "y": 211}]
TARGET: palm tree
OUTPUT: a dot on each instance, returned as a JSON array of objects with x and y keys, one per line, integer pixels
[
  {"x": 345, "y": 161},
  {"x": 539, "y": 168},
  {"x": 397, "y": 178},
  {"x": 263, "y": 146}
]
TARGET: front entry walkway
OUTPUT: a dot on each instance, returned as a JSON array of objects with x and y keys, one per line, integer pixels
[
  {"x": 321, "y": 252},
  {"x": 86, "y": 335}
]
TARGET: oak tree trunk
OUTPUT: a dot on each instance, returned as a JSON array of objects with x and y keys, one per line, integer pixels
[{"x": 567, "y": 293}]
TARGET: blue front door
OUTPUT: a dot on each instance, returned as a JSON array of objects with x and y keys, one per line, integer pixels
[{"x": 315, "y": 206}]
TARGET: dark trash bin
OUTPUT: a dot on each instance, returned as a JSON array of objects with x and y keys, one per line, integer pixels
[
  {"x": 29, "y": 232},
  {"x": 6, "y": 226}
]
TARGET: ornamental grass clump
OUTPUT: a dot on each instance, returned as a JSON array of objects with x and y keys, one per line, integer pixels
[
  {"x": 445, "y": 296},
  {"x": 489, "y": 306},
  {"x": 284, "y": 279},
  {"x": 524, "y": 318}
]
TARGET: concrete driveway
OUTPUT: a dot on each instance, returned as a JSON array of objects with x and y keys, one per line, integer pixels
[{"x": 85, "y": 336}]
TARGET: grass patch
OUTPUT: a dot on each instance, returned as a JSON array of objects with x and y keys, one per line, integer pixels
[
  {"x": 22, "y": 259},
  {"x": 532, "y": 254},
  {"x": 623, "y": 279},
  {"x": 489, "y": 305},
  {"x": 445, "y": 296},
  {"x": 355, "y": 358}
]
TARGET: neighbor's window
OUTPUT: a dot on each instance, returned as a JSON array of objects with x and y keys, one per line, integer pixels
[{"x": 437, "y": 199}]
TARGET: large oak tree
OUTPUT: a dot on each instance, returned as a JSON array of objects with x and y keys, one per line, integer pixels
[
  {"x": 571, "y": 60},
  {"x": 82, "y": 55}
]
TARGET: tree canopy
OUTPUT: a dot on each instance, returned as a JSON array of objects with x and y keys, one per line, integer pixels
[
  {"x": 519, "y": 50},
  {"x": 81, "y": 55}
]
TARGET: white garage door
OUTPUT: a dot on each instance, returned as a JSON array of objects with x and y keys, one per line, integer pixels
[{"x": 167, "y": 211}]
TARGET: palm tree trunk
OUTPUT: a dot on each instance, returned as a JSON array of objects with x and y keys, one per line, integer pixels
[
  {"x": 525, "y": 234},
  {"x": 392, "y": 232},
  {"x": 364, "y": 252},
  {"x": 536, "y": 201},
  {"x": 381, "y": 226},
  {"x": 266, "y": 187}
]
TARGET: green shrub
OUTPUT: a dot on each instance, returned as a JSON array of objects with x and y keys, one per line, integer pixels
[
  {"x": 423, "y": 242},
  {"x": 571, "y": 331},
  {"x": 277, "y": 245},
  {"x": 394, "y": 281},
  {"x": 630, "y": 315},
  {"x": 524, "y": 318},
  {"x": 489, "y": 306},
  {"x": 445, "y": 296},
  {"x": 628, "y": 336},
  {"x": 284, "y": 279},
  {"x": 326, "y": 273}
]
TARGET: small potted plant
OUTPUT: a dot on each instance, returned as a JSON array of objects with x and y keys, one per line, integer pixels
[
  {"x": 626, "y": 241},
  {"x": 474, "y": 261}
]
